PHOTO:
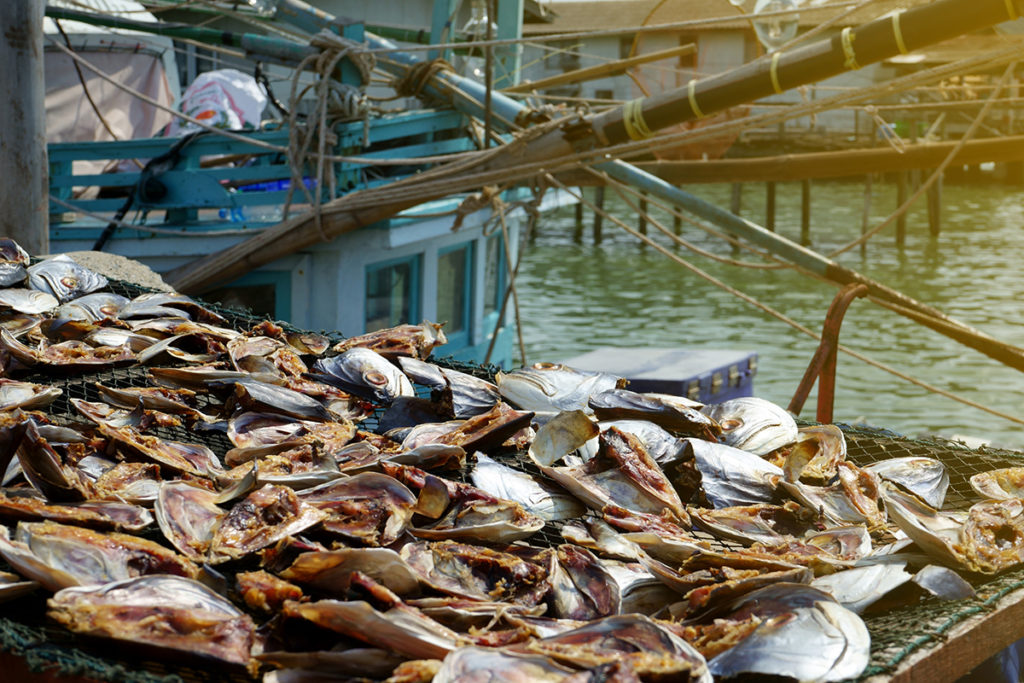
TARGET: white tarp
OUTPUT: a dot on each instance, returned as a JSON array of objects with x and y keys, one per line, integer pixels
[{"x": 141, "y": 61}]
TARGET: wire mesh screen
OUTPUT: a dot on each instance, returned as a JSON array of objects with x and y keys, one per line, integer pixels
[{"x": 896, "y": 634}]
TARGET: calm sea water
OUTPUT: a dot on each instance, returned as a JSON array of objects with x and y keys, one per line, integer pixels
[{"x": 577, "y": 296}]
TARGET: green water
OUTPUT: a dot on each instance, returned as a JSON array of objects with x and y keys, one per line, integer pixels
[{"x": 575, "y": 297}]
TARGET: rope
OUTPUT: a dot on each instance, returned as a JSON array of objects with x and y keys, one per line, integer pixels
[
  {"x": 417, "y": 77},
  {"x": 774, "y": 313},
  {"x": 846, "y": 38},
  {"x": 897, "y": 33}
]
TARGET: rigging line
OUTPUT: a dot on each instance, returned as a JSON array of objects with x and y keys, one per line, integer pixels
[
  {"x": 782, "y": 317},
  {"x": 622, "y": 189},
  {"x": 143, "y": 228},
  {"x": 512, "y": 269},
  {"x": 968, "y": 134},
  {"x": 606, "y": 33}
]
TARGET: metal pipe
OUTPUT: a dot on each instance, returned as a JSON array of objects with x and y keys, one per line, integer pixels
[{"x": 24, "y": 192}]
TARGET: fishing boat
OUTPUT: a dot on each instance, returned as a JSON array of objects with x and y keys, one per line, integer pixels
[{"x": 167, "y": 200}]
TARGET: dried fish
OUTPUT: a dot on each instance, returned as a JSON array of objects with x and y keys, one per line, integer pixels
[
  {"x": 989, "y": 541},
  {"x": 13, "y": 262},
  {"x": 547, "y": 387},
  {"x": 64, "y": 279},
  {"x": 675, "y": 414},
  {"x": 416, "y": 341},
  {"x": 1001, "y": 484},
  {"x": 365, "y": 373},
  {"x": 471, "y": 664},
  {"x": 803, "y": 634},
  {"x": 188, "y": 516},
  {"x": 924, "y": 477},
  {"x": 816, "y": 454},
  {"x": 646, "y": 648},
  {"x": 372, "y": 508},
  {"x": 28, "y": 301},
  {"x": 94, "y": 557},
  {"x": 27, "y": 395},
  {"x": 470, "y": 395},
  {"x": 731, "y": 476},
  {"x": 858, "y": 588},
  {"x": 329, "y": 571},
  {"x": 547, "y": 501},
  {"x": 264, "y": 517},
  {"x": 398, "y": 627},
  {"x": 140, "y": 610},
  {"x": 753, "y": 424}
]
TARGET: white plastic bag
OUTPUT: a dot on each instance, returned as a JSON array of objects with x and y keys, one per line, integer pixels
[{"x": 225, "y": 98}]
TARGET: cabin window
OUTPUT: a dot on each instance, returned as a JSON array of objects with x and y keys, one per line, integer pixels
[
  {"x": 266, "y": 294},
  {"x": 454, "y": 289},
  {"x": 390, "y": 293},
  {"x": 494, "y": 274}
]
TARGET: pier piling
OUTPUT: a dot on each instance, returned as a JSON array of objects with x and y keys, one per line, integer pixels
[
  {"x": 599, "y": 214},
  {"x": 805, "y": 212}
]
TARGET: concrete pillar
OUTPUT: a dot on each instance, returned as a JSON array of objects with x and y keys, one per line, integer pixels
[{"x": 24, "y": 176}]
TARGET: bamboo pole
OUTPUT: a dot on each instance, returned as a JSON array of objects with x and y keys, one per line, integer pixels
[
  {"x": 601, "y": 70},
  {"x": 805, "y": 212},
  {"x": 854, "y": 48}
]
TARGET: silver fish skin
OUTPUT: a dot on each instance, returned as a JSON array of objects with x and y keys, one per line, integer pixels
[
  {"x": 13, "y": 262},
  {"x": 365, "y": 373},
  {"x": 858, "y": 588},
  {"x": 924, "y": 477},
  {"x": 822, "y": 641},
  {"x": 64, "y": 279},
  {"x": 471, "y": 664},
  {"x": 91, "y": 307},
  {"x": 753, "y": 424},
  {"x": 94, "y": 558},
  {"x": 15, "y": 394},
  {"x": 28, "y": 301},
  {"x": 547, "y": 387},
  {"x": 543, "y": 499},
  {"x": 210, "y": 625},
  {"x": 13, "y": 587},
  {"x": 470, "y": 395},
  {"x": 731, "y": 476}
]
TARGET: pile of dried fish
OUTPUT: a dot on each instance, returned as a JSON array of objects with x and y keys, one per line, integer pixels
[{"x": 425, "y": 549}]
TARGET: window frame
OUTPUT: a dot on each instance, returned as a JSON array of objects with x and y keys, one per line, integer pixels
[
  {"x": 415, "y": 262},
  {"x": 459, "y": 339}
]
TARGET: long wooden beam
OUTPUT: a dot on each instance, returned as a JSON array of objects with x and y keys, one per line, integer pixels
[{"x": 813, "y": 165}]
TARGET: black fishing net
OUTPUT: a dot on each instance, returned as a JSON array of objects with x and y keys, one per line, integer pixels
[{"x": 895, "y": 635}]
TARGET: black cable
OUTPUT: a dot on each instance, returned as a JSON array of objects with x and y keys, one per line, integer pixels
[{"x": 148, "y": 188}]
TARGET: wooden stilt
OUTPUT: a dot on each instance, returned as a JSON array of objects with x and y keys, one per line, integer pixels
[
  {"x": 901, "y": 220},
  {"x": 641, "y": 219},
  {"x": 935, "y": 207},
  {"x": 599, "y": 215},
  {"x": 736, "y": 205},
  {"x": 865, "y": 222},
  {"x": 805, "y": 212},
  {"x": 677, "y": 221},
  {"x": 769, "y": 205}
]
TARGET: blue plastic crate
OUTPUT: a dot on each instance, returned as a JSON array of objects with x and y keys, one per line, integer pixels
[{"x": 708, "y": 376}]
